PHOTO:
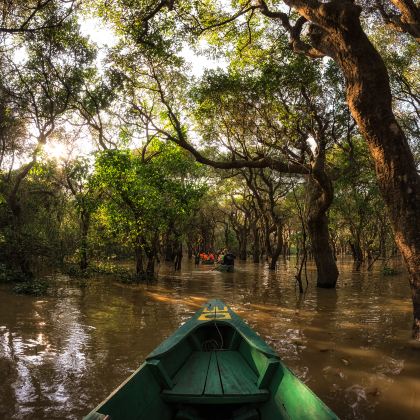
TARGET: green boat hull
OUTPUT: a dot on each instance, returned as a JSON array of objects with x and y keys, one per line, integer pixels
[
  {"x": 225, "y": 268},
  {"x": 213, "y": 367},
  {"x": 207, "y": 262}
]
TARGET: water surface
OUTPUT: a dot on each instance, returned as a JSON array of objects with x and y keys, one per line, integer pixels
[{"x": 61, "y": 355}]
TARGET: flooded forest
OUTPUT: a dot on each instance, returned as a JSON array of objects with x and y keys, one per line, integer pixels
[{"x": 157, "y": 154}]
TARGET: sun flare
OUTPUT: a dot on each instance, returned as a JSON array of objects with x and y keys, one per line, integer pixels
[{"x": 56, "y": 151}]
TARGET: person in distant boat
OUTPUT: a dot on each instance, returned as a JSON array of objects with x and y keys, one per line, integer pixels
[
  {"x": 220, "y": 256},
  {"x": 211, "y": 257},
  {"x": 229, "y": 259}
]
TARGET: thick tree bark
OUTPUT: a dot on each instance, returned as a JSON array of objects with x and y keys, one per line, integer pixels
[
  {"x": 338, "y": 33},
  {"x": 407, "y": 21},
  {"x": 320, "y": 198},
  {"x": 327, "y": 272}
]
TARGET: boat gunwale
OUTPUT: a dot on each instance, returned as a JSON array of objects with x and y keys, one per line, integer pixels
[{"x": 236, "y": 322}]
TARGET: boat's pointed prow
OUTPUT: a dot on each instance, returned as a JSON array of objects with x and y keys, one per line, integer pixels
[{"x": 213, "y": 366}]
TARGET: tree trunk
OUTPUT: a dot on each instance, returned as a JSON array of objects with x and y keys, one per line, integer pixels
[
  {"x": 320, "y": 199},
  {"x": 169, "y": 247},
  {"x": 256, "y": 249},
  {"x": 20, "y": 254},
  {"x": 138, "y": 249},
  {"x": 151, "y": 251},
  {"x": 339, "y": 34},
  {"x": 150, "y": 266},
  {"x": 267, "y": 242},
  {"x": 276, "y": 252},
  {"x": 178, "y": 257},
  {"x": 150, "y": 269},
  {"x": 382, "y": 240},
  {"x": 84, "y": 228},
  {"x": 334, "y": 249},
  {"x": 190, "y": 249},
  {"x": 327, "y": 272},
  {"x": 357, "y": 252},
  {"x": 243, "y": 245}
]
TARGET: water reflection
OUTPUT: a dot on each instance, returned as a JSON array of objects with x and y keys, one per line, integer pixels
[{"x": 61, "y": 355}]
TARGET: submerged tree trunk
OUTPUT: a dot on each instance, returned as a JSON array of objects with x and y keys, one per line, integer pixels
[
  {"x": 178, "y": 256},
  {"x": 169, "y": 247},
  {"x": 320, "y": 198},
  {"x": 138, "y": 249},
  {"x": 190, "y": 249},
  {"x": 356, "y": 251},
  {"x": 243, "y": 245},
  {"x": 151, "y": 251},
  {"x": 267, "y": 242},
  {"x": 84, "y": 229},
  {"x": 276, "y": 252},
  {"x": 242, "y": 238},
  {"x": 338, "y": 33},
  {"x": 150, "y": 269},
  {"x": 256, "y": 248},
  {"x": 327, "y": 272}
]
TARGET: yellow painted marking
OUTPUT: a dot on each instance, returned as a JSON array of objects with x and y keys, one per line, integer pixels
[
  {"x": 214, "y": 313},
  {"x": 211, "y": 315}
]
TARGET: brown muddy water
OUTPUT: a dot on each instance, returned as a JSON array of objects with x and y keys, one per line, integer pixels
[{"x": 61, "y": 355}]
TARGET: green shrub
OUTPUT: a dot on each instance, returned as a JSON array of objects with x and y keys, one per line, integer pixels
[
  {"x": 388, "y": 271},
  {"x": 8, "y": 275},
  {"x": 75, "y": 271},
  {"x": 34, "y": 287}
]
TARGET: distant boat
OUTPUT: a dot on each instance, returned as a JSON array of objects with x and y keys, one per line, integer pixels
[
  {"x": 225, "y": 268},
  {"x": 207, "y": 262},
  {"x": 213, "y": 367}
]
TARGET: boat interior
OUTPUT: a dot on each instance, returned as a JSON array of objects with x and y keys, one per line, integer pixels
[{"x": 214, "y": 373}]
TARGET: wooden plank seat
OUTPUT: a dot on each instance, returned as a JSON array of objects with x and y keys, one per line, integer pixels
[{"x": 218, "y": 377}]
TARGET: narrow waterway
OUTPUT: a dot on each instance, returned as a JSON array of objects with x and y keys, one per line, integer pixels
[{"x": 62, "y": 354}]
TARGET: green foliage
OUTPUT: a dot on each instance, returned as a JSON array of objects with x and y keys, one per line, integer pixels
[
  {"x": 33, "y": 287},
  {"x": 389, "y": 271},
  {"x": 102, "y": 268},
  {"x": 9, "y": 275},
  {"x": 38, "y": 235},
  {"x": 146, "y": 191},
  {"x": 267, "y": 102},
  {"x": 357, "y": 215}
]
